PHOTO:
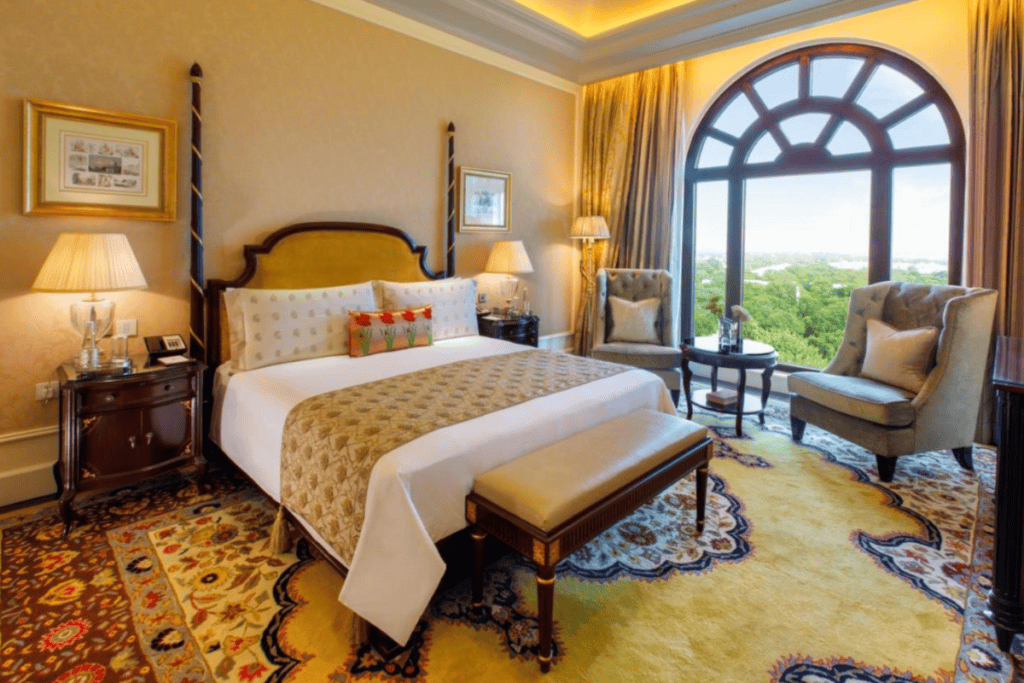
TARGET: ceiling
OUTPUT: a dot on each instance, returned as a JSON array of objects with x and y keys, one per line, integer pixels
[
  {"x": 583, "y": 41},
  {"x": 590, "y": 17}
]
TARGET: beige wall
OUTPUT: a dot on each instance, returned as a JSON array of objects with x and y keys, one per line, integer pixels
[
  {"x": 932, "y": 32},
  {"x": 309, "y": 114}
]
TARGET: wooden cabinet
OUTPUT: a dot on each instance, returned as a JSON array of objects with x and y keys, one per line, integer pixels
[
  {"x": 522, "y": 330},
  {"x": 1006, "y": 602},
  {"x": 119, "y": 429}
]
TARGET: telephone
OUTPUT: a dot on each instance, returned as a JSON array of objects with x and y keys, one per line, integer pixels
[{"x": 164, "y": 345}]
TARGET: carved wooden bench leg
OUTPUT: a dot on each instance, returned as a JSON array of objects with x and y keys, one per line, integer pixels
[
  {"x": 479, "y": 538},
  {"x": 702, "y": 494},
  {"x": 545, "y": 613}
]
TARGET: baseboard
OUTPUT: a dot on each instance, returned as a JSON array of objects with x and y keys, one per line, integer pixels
[
  {"x": 560, "y": 341},
  {"x": 27, "y": 470}
]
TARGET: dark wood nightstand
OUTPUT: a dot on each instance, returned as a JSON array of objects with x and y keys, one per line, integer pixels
[
  {"x": 522, "y": 329},
  {"x": 119, "y": 429}
]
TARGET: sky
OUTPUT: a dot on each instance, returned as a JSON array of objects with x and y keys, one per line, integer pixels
[{"x": 830, "y": 213}]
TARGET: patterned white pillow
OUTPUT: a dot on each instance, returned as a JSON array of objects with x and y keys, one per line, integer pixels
[
  {"x": 283, "y": 325},
  {"x": 634, "y": 321},
  {"x": 453, "y": 301}
]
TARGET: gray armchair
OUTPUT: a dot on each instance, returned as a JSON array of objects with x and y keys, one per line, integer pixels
[
  {"x": 890, "y": 421},
  {"x": 663, "y": 358}
]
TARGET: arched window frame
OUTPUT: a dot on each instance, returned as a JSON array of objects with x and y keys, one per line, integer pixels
[{"x": 814, "y": 158}]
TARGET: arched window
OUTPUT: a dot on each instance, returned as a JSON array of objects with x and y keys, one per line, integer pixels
[{"x": 819, "y": 170}]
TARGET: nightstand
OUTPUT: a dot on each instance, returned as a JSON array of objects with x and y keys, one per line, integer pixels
[
  {"x": 522, "y": 330},
  {"x": 120, "y": 429}
]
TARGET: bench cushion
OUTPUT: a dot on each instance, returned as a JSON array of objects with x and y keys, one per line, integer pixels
[{"x": 551, "y": 485}]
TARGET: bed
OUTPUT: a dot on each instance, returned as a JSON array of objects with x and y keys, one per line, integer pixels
[{"x": 415, "y": 497}]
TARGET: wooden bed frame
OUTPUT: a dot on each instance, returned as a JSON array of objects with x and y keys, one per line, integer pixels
[{"x": 279, "y": 262}]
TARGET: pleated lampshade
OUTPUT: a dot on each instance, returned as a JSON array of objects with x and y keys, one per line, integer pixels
[
  {"x": 590, "y": 227},
  {"x": 88, "y": 262},
  {"x": 508, "y": 257}
]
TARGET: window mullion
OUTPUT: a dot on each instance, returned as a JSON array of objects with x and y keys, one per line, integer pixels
[
  {"x": 734, "y": 250},
  {"x": 911, "y": 107},
  {"x": 880, "y": 239},
  {"x": 771, "y": 122},
  {"x": 860, "y": 79}
]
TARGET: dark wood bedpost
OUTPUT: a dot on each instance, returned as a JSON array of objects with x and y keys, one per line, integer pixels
[
  {"x": 197, "y": 320},
  {"x": 450, "y": 269}
]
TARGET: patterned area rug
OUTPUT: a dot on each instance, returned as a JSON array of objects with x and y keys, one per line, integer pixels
[{"x": 809, "y": 571}]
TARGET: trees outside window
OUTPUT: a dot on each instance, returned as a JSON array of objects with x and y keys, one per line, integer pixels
[{"x": 819, "y": 170}]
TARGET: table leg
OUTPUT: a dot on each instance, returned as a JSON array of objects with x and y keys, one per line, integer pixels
[
  {"x": 766, "y": 389},
  {"x": 687, "y": 374},
  {"x": 740, "y": 396}
]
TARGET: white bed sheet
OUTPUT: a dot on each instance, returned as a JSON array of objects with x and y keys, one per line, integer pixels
[{"x": 416, "y": 493}]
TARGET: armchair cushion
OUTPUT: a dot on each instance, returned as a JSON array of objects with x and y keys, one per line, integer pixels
[
  {"x": 902, "y": 359},
  {"x": 859, "y": 397},
  {"x": 634, "y": 321},
  {"x": 648, "y": 356}
]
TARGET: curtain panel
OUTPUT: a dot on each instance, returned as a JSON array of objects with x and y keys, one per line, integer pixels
[
  {"x": 995, "y": 220},
  {"x": 632, "y": 137}
]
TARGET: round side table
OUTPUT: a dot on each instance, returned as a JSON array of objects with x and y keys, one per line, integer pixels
[{"x": 752, "y": 355}]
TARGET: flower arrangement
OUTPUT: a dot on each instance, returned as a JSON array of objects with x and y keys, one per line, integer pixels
[{"x": 741, "y": 314}]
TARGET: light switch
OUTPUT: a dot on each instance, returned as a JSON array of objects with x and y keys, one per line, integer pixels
[{"x": 128, "y": 327}]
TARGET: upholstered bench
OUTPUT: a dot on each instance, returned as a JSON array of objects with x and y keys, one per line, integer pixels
[{"x": 554, "y": 500}]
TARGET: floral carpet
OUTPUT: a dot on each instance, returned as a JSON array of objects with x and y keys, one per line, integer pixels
[{"x": 809, "y": 571}]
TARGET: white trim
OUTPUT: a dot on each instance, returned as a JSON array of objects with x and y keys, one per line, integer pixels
[
  {"x": 559, "y": 341},
  {"x": 28, "y": 457},
  {"x": 38, "y": 432},
  {"x": 361, "y": 9}
]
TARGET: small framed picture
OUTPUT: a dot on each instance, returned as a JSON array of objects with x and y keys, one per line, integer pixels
[
  {"x": 485, "y": 200},
  {"x": 173, "y": 342},
  {"x": 80, "y": 161}
]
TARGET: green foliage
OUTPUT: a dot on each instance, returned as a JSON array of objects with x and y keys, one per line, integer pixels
[{"x": 801, "y": 310}]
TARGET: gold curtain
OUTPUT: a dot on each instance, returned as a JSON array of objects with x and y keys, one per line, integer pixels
[
  {"x": 995, "y": 225},
  {"x": 632, "y": 133}
]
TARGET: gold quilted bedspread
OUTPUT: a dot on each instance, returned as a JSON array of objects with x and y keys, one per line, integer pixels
[{"x": 332, "y": 441}]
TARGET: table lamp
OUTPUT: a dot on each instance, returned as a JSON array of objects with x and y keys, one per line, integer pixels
[
  {"x": 91, "y": 263},
  {"x": 508, "y": 257}
]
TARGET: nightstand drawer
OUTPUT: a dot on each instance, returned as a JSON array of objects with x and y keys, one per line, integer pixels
[{"x": 130, "y": 394}]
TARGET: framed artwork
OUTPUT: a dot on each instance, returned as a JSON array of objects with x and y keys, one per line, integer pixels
[
  {"x": 485, "y": 200},
  {"x": 89, "y": 162}
]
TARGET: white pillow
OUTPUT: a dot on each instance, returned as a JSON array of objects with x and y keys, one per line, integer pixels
[
  {"x": 900, "y": 358},
  {"x": 634, "y": 321},
  {"x": 282, "y": 325},
  {"x": 453, "y": 301}
]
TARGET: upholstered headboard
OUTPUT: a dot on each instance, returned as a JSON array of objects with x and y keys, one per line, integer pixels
[{"x": 315, "y": 255}]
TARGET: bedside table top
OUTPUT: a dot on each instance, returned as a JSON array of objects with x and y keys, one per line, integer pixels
[{"x": 139, "y": 368}]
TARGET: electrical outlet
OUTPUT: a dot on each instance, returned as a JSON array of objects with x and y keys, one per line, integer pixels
[
  {"x": 46, "y": 391},
  {"x": 128, "y": 327}
]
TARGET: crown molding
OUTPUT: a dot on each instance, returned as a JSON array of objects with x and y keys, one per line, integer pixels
[
  {"x": 426, "y": 31},
  {"x": 508, "y": 35}
]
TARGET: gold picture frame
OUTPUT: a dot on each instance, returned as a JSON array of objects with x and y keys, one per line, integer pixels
[
  {"x": 485, "y": 200},
  {"x": 80, "y": 161}
]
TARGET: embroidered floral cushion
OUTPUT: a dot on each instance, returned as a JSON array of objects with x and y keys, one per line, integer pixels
[{"x": 375, "y": 331}]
